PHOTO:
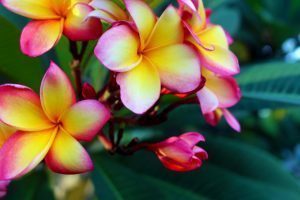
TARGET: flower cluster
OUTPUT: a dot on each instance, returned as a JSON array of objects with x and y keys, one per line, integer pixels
[{"x": 180, "y": 53}]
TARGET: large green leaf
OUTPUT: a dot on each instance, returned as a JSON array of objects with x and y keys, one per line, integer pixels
[
  {"x": 234, "y": 171},
  {"x": 114, "y": 181},
  {"x": 274, "y": 84},
  {"x": 34, "y": 186},
  {"x": 14, "y": 66}
]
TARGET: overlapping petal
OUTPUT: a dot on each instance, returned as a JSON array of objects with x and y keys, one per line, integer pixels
[
  {"x": 78, "y": 28},
  {"x": 57, "y": 93},
  {"x": 108, "y": 11},
  {"x": 67, "y": 156},
  {"x": 20, "y": 107},
  {"x": 226, "y": 90},
  {"x": 143, "y": 17},
  {"x": 118, "y": 48},
  {"x": 192, "y": 138},
  {"x": 23, "y": 151},
  {"x": 169, "y": 22},
  {"x": 219, "y": 60},
  {"x": 40, "y": 36},
  {"x": 140, "y": 87},
  {"x": 178, "y": 67},
  {"x": 208, "y": 100},
  {"x": 84, "y": 119},
  {"x": 41, "y": 9},
  {"x": 214, "y": 35},
  {"x": 5, "y": 132}
]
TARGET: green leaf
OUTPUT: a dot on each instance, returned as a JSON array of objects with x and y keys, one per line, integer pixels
[
  {"x": 233, "y": 171},
  {"x": 34, "y": 186},
  {"x": 116, "y": 182},
  {"x": 270, "y": 85},
  {"x": 15, "y": 66},
  {"x": 228, "y": 18}
]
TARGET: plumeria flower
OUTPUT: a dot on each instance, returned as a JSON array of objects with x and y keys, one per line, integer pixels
[
  {"x": 211, "y": 40},
  {"x": 49, "y": 126},
  {"x": 108, "y": 11},
  {"x": 218, "y": 94},
  {"x": 51, "y": 19},
  {"x": 181, "y": 153},
  {"x": 147, "y": 55},
  {"x": 3, "y": 188}
]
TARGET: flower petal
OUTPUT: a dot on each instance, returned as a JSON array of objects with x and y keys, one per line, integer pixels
[
  {"x": 226, "y": 90},
  {"x": 67, "y": 156},
  {"x": 3, "y": 188},
  {"x": 117, "y": 49},
  {"x": 57, "y": 93},
  {"x": 5, "y": 132},
  {"x": 208, "y": 100},
  {"x": 200, "y": 153},
  {"x": 78, "y": 28},
  {"x": 33, "y": 9},
  {"x": 231, "y": 120},
  {"x": 143, "y": 17},
  {"x": 169, "y": 22},
  {"x": 178, "y": 67},
  {"x": 140, "y": 87},
  {"x": 214, "y": 35},
  {"x": 179, "y": 151},
  {"x": 220, "y": 61},
  {"x": 213, "y": 118},
  {"x": 192, "y": 138},
  {"x": 60, "y": 6},
  {"x": 85, "y": 119},
  {"x": 104, "y": 16},
  {"x": 109, "y": 9},
  {"x": 38, "y": 37},
  {"x": 20, "y": 107},
  {"x": 23, "y": 151}
]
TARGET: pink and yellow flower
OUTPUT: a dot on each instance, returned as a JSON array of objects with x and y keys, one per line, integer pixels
[
  {"x": 51, "y": 19},
  {"x": 108, "y": 11},
  {"x": 210, "y": 40},
  {"x": 181, "y": 153},
  {"x": 149, "y": 54},
  {"x": 49, "y": 127},
  {"x": 218, "y": 94}
]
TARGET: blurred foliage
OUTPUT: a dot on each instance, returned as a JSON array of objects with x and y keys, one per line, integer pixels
[{"x": 261, "y": 163}]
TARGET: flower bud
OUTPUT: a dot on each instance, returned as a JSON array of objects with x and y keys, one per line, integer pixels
[
  {"x": 181, "y": 153},
  {"x": 88, "y": 91}
]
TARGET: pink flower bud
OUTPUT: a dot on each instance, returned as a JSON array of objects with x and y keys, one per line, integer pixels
[
  {"x": 181, "y": 153},
  {"x": 88, "y": 91}
]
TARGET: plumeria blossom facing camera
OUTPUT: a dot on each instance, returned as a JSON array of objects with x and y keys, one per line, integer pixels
[
  {"x": 181, "y": 153},
  {"x": 51, "y": 19},
  {"x": 49, "y": 127},
  {"x": 149, "y": 54},
  {"x": 211, "y": 41}
]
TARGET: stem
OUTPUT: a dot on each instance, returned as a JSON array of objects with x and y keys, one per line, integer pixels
[{"x": 76, "y": 64}]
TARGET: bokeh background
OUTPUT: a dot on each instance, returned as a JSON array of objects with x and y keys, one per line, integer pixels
[{"x": 262, "y": 162}]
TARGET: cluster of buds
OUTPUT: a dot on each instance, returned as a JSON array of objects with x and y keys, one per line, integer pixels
[{"x": 180, "y": 53}]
